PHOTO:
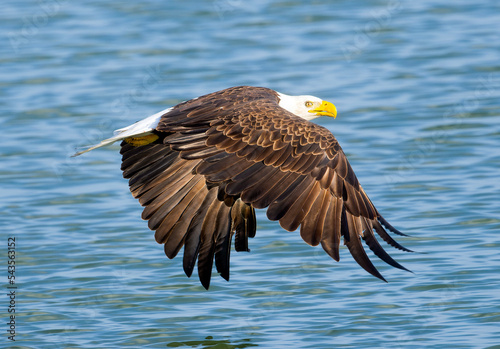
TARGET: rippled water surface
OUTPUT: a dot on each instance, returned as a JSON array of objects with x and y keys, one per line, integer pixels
[{"x": 417, "y": 86}]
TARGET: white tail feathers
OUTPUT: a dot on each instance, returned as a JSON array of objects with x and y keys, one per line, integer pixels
[{"x": 140, "y": 128}]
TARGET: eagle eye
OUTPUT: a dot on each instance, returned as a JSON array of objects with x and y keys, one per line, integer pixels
[{"x": 308, "y": 104}]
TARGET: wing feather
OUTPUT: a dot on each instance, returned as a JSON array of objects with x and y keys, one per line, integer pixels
[
  {"x": 157, "y": 196},
  {"x": 261, "y": 195},
  {"x": 330, "y": 239},
  {"x": 223, "y": 252},
  {"x": 280, "y": 206},
  {"x": 311, "y": 229},
  {"x": 177, "y": 234},
  {"x": 192, "y": 243},
  {"x": 254, "y": 175},
  {"x": 386, "y": 237},
  {"x": 216, "y": 222},
  {"x": 244, "y": 226},
  {"x": 167, "y": 203},
  {"x": 301, "y": 207},
  {"x": 374, "y": 245},
  {"x": 356, "y": 248},
  {"x": 133, "y": 160},
  {"x": 169, "y": 214},
  {"x": 164, "y": 181}
]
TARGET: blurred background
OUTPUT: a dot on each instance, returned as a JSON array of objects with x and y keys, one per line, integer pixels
[{"x": 417, "y": 87}]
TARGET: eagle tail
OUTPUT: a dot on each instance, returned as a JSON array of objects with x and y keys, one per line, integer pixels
[{"x": 137, "y": 130}]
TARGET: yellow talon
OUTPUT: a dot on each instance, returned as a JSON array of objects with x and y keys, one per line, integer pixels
[{"x": 139, "y": 141}]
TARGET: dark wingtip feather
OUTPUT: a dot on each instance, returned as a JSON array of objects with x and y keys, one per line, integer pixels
[
  {"x": 355, "y": 247},
  {"x": 331, "y": 250},
  {"x": 208, "y": 236},
  {"x": 192, "y": 243},
  {"x": 223, "y": 250},
  {"x": 330, "y": 239},
  {"x": 205, "y": 282},
  {"x": 386, "y": 237},
  {"x": 373, "y": 244},
  {"x": 390, "y": 227},
  {"x": 362, "y": 259},
  {"x": 245, "y": 226}
]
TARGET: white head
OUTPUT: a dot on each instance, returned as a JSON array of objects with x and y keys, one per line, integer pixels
[{"x": 307, "y": 107}]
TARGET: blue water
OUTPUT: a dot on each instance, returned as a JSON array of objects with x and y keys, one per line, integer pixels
[{"x": 417, "y": 87}]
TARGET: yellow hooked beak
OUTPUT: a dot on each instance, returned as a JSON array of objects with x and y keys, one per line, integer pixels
[{"x": 326, "y": 109}]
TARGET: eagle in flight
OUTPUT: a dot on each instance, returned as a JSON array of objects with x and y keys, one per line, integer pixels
[{"x": 202, "y": 167}]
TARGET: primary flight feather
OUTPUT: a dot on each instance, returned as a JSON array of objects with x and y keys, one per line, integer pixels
[{"x": 202, "y": 167}]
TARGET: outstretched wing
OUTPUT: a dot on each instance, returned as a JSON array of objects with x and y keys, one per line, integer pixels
[{"x": 215, "y": 161}]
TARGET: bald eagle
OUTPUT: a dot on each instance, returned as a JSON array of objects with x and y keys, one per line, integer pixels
[{"x": 202, "y": 167}]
